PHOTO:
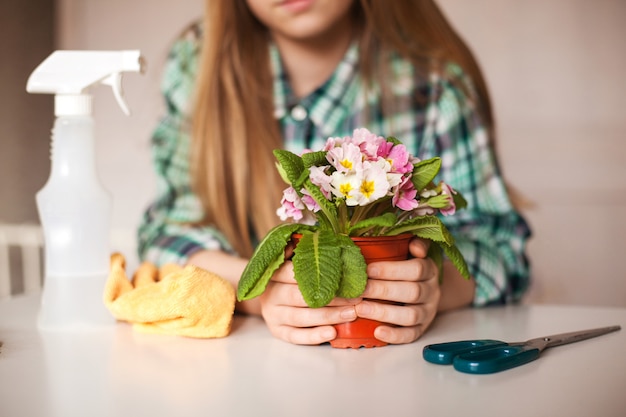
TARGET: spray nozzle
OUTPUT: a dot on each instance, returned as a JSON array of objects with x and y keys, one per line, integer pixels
[{"x": 69, "y": 74}]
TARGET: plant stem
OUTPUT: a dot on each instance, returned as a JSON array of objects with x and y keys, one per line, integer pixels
[
  {"x": 342, "y": 211},
  {"x": 360, "y": 213}
]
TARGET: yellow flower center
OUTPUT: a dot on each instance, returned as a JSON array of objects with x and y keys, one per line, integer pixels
[
  {"x": 345, "y": 189},
  {"x": 367, "y": 188},
  {"x": 346, "y": 163}
]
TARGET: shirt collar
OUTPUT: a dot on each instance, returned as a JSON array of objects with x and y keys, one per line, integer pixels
[{"x": 327, "y": 106}]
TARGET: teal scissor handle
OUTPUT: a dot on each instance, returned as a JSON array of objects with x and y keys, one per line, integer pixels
[
  {"x": 495, "y": 359},
  {"x": 444, "y": 353}
]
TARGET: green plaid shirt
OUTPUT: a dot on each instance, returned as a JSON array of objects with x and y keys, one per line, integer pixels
[{"x": 490, "y": 233}]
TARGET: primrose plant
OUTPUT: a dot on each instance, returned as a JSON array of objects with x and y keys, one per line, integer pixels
[{"x": 361, "y": 185}]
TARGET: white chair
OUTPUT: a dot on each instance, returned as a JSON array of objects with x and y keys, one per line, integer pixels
[{"x": 28, "y": 239}]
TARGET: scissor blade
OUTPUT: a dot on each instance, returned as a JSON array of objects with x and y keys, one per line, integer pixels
[{"x": 572, "y": 337}]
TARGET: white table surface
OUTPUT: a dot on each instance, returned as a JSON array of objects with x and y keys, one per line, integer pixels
[{"x": 118, "y": 372}]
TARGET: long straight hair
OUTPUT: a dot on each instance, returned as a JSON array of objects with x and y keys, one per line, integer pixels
[{"x": 234, "y": 128}]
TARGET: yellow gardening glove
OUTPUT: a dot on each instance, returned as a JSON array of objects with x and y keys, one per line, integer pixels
[{"x": 173, "y": 300}]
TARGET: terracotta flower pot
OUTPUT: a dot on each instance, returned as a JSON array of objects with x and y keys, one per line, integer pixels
[{"x": 360, "y": 332}]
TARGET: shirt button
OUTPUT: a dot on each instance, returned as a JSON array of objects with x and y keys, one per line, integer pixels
[{"x": 299, "y": 113}]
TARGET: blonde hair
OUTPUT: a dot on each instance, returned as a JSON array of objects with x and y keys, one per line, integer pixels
[{"x": 234, "y": 130}]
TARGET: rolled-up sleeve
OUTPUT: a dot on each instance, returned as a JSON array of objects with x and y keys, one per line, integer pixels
[
  {"x": 490, "y": 233},
  {"x": 171, "y": 229}
]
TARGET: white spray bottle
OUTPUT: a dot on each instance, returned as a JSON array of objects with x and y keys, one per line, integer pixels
[{"x": 74, "y": 208}]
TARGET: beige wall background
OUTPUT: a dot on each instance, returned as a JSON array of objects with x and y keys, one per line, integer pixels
[
  {"x": 556, "y": 72},
  {"x": 555, "y": 68}
]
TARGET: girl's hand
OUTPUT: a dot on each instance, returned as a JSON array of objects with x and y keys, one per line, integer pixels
[
  {"x": 289, "y": 318},
  {"x": 414, "y": 283}
]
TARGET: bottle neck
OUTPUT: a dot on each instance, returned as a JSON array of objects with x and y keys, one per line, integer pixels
[{"x": 73, "y": 148}]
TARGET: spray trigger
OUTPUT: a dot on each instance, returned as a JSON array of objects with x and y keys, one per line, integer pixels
[{"x": 115, "y": 81}]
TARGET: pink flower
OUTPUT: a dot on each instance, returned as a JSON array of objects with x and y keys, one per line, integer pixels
[
  {"x": 447, "y": 190},
  {"x": 397, "y": 156},
  {"x": 320, "y": 179},
  {"x": 384, "y": 149},
  {"x": 400, "y": 159},
  {"x": 404, "y": 197},
  {"x": 335, "y": 142},
  {"x": 291, "y": 205},
  {"x": 309, "y": 201},
  {"x": 368, "y": 142},
  {"x": 346, "y": 158},
  {"x": 358, "y": 171}
]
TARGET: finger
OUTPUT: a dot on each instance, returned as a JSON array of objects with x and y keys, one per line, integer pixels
[
  {"x": 310, "y": 317},
  {"x": 407, "y": 334},
  {"x": 335, "y": 302},
  {"x": 289, "y": 294},
  {"x": 403, "y": 291},
  {"x": 284, "y": 274},
  {"x": 410, "y": 270},
  {"x": 396, "y": 291},
  {"x": 400, "y": 315},
  {"x": 303, "y": 336},
  {"x": 280, "y": 293},
  {"x": 419, "y": 247},
  {"x": 399, "y": 335},
  {"x": 289, "y": 250}
]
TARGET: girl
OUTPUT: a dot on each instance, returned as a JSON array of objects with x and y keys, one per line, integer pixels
[{"x": 257, "y": 75}]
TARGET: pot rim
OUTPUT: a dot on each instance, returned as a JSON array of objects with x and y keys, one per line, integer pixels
[{"x": 401, "y": 236}]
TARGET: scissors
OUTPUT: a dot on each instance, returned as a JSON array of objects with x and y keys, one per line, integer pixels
[{"x": 488, "y": 356}]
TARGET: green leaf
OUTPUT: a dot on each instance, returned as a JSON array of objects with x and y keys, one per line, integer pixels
[
  {"x": 310, "y": 159},
  {"x": 290, "y": 164},
  {"x": 354, "y": 269},
  {"x": 459, "y": 201},
  {"x": 436, "y": 254},
  {"x": 282, "y": 173},
  {"x": 267, "y": 258},
  {"x": 314, "y": 159},
  {"x": 453, "y": 253},
  {"x": 394, "y": 140},
  {"x": 425, "y": 172},
  {"x": 385, "y": 220},
  {"x": 317, "y": 267},
  {"x": 301, "y": 180},
  {"x": 426, "y": 227},
  {"x": 327, "y": 207}
]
